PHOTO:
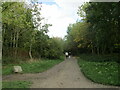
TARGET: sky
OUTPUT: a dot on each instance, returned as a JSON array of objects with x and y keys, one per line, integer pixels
[{"x": 60, "y": 13}]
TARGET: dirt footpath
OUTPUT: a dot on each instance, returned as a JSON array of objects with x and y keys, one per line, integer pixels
[{"x": 64, "y": 75}]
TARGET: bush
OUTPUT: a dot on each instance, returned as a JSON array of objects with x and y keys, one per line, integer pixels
[{"x": 8, "y": 60}]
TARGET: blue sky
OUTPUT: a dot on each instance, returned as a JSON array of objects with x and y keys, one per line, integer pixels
[{"x": 47, "y": 2}]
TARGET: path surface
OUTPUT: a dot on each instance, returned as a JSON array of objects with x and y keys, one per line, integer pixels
[{"x": 64, "y": 75}]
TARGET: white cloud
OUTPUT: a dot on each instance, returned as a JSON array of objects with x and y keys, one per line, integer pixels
[
  {"x": 60, "y": 15},
  {"x": 59, "y": 28}
]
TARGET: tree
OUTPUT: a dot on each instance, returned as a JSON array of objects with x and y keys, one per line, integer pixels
[
  {"x": 15, "y": 21},
  {"x": 98, "y": 31},
  {"x": 100, "y": 15}
]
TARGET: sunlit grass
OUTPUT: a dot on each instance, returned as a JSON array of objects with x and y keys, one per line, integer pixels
[
  {"x": 16, "y": 84},
  {"x": 31, "y": 67},
  {"x": 105, "y": 72}
]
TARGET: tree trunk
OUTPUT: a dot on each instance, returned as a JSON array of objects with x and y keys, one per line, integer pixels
[
  {"x": 14, "y": 41},
  {"x": 103, "y": 49},
  {"x": 92, "y": 50},
  {"x": 98, "y": 51},
  {"x": 11, "y": 40},
  {"x": 111, "y": 50},
  {"x": 30, "y": 51},
  {"x": 17, "y": 37},
  {"x": 16, "y": 45}
]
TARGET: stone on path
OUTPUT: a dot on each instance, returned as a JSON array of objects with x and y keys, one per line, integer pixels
[{"x": 17, "y": 69}]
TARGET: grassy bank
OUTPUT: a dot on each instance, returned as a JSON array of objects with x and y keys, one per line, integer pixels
[
  {"x": 31, "y": 67},
  {"x": 16, "y": 84},
  {"x": 100, "y": 69}
]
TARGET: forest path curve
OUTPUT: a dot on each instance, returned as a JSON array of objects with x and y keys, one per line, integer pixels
[{"x": 67, "y": 74}]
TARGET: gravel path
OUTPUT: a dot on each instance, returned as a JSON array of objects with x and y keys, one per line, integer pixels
[{"x": 64, "y": 75}]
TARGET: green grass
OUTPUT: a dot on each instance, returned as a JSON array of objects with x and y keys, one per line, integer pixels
[
  {"x": 16, "y": 84},
  {"x": 100, "y": 69},
  {"x": 31, "y": 67}
]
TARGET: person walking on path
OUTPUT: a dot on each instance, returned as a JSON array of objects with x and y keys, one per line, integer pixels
[
  {"x": 66, "y": 54},
  {"x": 69, "y": 54}
]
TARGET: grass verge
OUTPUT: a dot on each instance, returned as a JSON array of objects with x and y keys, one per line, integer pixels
[
  {"x": 31, "y": 67},
  {"x": 16, "y": 84},
  {"x": 100, "y": 69}
]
